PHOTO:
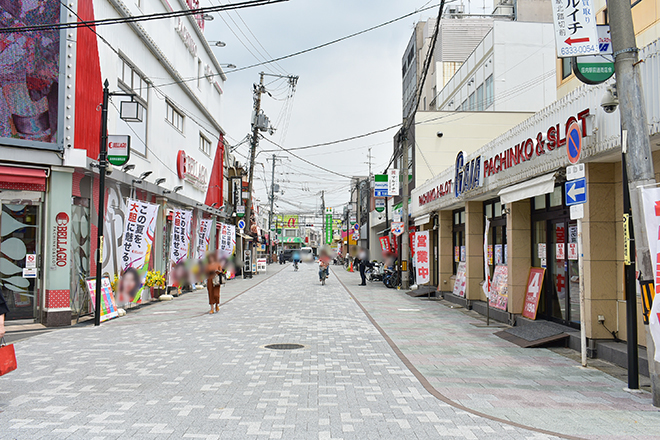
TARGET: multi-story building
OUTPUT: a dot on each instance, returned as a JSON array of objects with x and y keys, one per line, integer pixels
[{"x": 49, "y": 143}]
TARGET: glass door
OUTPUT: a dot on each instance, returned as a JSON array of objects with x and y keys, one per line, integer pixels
[
  {"x": 557, "y": 300},
  {"x": 19, "y": 228}
]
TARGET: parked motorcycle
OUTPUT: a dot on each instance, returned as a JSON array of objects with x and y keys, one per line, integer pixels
[{"x": 376, "y": 272}]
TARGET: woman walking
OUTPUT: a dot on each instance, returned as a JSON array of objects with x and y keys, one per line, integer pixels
[{"x": 213, "y": 274}]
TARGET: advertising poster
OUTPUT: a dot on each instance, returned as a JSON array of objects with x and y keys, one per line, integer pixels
[
  {"x": 385, "y": 245},
  {"x": 499, "y": 290},
  {"x": 560, "y": 251},
  {"x": 651, "y": 199},
  {"x": 30, "y": 71},
  {"x": 108, "y": 306},
  {"x": 180, "y": 246},
  {"x": 499, "y": 258},
  {"x": 227, "y": 240},
  {"x": 457, "y": 254},
  {"x": 137, "y": 241},
  {"x": 460, "y": 281},
  {"x": 463, "y": 253},
  {"x": 533, "y": 293},
  {"x": 204, "y": 237},
  {"x": 490, "y": 254},
  {"x": 422, "y": 257}
]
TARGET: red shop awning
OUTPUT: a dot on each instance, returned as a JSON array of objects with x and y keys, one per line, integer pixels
[{"x": 17, "y": 178}]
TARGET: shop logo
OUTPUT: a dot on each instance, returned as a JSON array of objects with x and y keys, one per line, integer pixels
[
  {"x": 61, "y": 238},
  {"x": 191, "y": 171},
  {"x": 466, "y": 177}
]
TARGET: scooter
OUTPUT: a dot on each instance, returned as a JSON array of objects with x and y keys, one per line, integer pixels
[{"x": 376, "y": 272}]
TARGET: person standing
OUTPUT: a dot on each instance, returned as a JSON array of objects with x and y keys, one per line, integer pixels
[
  {"x": 213, "y": 273},
  {"x": 4, "y": 309},
  {"x": 364, "y": 262}
]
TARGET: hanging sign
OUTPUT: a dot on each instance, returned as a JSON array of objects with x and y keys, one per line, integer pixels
[
  {"x": 119, "y": 149},
  {"x": 380, "y": 185},
  {"x": 422, "y": 266},
  {"x": 534, "y": 285},
  {"x": 575, "y": 28},
  {"x": 385, "y": 245},
  {"x": 397, "y": 228},
  {"x": 379, "y": 205},
  {"x": 393, "y": 183},
  {"x": 596, "y": 69}
]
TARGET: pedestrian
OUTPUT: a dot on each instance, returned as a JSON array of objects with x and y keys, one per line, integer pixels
[
  {"x": 213, "y": 273},
  {"x": 3, "y": 311},
  {"x": 364, "y": 263},
  {"x": 324, "y": 263}
]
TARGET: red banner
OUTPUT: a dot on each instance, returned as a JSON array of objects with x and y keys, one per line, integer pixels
[
  {"x": 533, "y": 294},
  {"x": 385, "y": 245}
]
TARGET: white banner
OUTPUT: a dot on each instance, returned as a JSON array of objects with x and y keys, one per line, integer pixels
[
  {"x": 181, "y": 227},
  {"x": 486, "y": 286},
  {"x": 227, "y": 240},
  {"x": 422, "y": 265},
  {"x": 138, "y": 238},
  {"x": 393, "y": 182},
  {"x": 651, "y": 200},
  {"x": 203, "y": 237}
]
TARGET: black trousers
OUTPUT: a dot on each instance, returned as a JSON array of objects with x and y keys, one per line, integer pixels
[{"x": 362, "y": 274}]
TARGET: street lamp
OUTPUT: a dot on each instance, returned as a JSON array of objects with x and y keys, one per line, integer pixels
[
  {"x": 218, "y": 43},
  {"x": 128, "y": 114}
]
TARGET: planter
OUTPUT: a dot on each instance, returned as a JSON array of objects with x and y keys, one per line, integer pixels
[{"x": 156, "y": 292}]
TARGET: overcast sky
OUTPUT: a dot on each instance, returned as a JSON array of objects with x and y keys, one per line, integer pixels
[{"x": 344, "y": 90}]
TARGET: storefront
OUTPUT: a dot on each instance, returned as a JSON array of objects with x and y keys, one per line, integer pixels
[{"x": 515, "y": 185}]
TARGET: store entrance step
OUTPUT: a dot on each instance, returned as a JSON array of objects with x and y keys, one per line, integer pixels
[{"x": 537, "y": 334}]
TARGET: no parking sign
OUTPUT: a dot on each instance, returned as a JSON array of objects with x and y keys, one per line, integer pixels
[{"x": 573, "y": 142}]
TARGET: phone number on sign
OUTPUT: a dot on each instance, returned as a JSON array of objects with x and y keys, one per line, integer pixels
[{"x": 580, "y": 50}]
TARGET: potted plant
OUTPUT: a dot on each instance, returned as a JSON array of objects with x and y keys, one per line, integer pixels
[{"x": 156, "y": 281}]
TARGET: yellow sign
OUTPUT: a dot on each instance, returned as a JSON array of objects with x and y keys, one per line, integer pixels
[
  {"x": 287, "y": 221},
  {"x": 626, "y": 239},
  {"x": 648, "y": 294},
  {"x": 404, "y": 265}
]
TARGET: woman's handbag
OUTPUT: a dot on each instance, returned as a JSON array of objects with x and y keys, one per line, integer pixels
[
  {"x": 7, "y": 358},
  {"x": 216, "y": 280}
]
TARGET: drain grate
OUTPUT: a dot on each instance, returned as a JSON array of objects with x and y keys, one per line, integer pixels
[{"x": 284, "y": 346}]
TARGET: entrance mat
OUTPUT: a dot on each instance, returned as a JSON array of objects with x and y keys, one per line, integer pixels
[
  {"x": 422, "y": 291},
  {"x": 537, "y": 334}
]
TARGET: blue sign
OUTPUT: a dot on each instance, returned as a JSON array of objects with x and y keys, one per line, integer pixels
[
  {"x": 241, "y": 224},
  {"x": 574, "y": 142},
  {"x": 576, "y": 192}
]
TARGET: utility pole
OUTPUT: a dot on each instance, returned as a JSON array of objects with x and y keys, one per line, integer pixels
[
  {"x": 270, "y": 214},
  {"x": 405, "y": 239},
  {"x": 258, "y": 91},
  {"x": 324, "y": 233},
  {"x": 637, "y": 150}
]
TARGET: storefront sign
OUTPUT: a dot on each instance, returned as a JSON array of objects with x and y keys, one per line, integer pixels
[
  {"x": 527, "y": 149},
  {"x": 203, "y": 237},
  {"x": 185, "y": 36},
  {"x": 534, "y": 285},
  {"x": 379, "y": 205},
  {"x": 397, "y": 228},
  {"x": 499, "y": 288},
  {"x": 460, "y": 280},
  {"x": 393, "y": 182},
  {"x": 467, "y": 175},
  {"x": 181, "y": 227},
  {"x": 385, "y": 245},
  {"x": 575, "y": 28},
  {"x": 191, "y": 171},
  {"x": 119, "y": 149},
  {"x": 380, "y": 185},
  {"x": 422, "y": 265},
  {"x": 595, "y": 69},
  {"x": 435, "y": 193},
  {"x": 108, "y": 306},
  {"x": 60, "y": 240}
]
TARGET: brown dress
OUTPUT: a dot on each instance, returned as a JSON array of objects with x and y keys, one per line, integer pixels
[{"x": 214, "y": 291}]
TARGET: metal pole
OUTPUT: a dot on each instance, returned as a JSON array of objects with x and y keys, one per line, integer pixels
[
  {"x": 103, "y": 165},
  {"x": 631, "y": 290},
  {"x": 405, "y": 281},
  {"x": 583, "y": 327},
  {"x": 270, "y": 216},
  {"x": 258, "y": 90},
  {"x": 639, "y": 163}
]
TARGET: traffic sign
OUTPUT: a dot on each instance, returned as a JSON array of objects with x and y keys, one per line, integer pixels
[
  {"x": 576, "y": 192},
  {"x": 241, "y": 224},
  {"x": 574, "y": 142},
  {"x": 356, "y": 227},
  {"x": 575, "y": 28}
]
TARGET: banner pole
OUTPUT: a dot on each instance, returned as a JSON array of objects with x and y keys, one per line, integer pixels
[{"x": 583, "y": 328}]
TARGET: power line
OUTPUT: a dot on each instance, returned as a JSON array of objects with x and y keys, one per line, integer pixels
[
  {"x": 305, "y": 160},
  {"x": 139, "y": 18}
]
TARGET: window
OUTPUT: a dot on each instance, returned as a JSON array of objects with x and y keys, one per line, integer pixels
[
  {"x": 204, "y": 145},
  {"x": 489, "y": 91},
  {"x": 174, "y": 117},
  {"x": 566, "y": 69},
  {"x": 480, "y": 98},
  {"x": 497, "y": 246},
  {"x": 130, "y": 80},
  {"x": 473, "y": 102},
  {"x": 458, "y": 238},
  {"x": 464, "y": 106},
  {"x": 290, "y": 232}
]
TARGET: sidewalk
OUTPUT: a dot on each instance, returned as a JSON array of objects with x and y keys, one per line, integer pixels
[{"x": 475, "y": 369}]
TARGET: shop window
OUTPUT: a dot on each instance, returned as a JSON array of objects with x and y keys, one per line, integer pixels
[
  {"x": 458, "y": 238},
  {"x": 539, "y": 202},
  {"x": 489, "y": 91},
  {"x": 497, "y": 243},
  {"x": 566, "y": 69},
  {"x": 556, "y": 197},
  {"x": 204, "y": 144}
]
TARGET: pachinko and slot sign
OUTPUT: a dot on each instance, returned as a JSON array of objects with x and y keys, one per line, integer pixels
[
  {"x": 651, "y": 202},
  {"x": 435, "y": 193}
]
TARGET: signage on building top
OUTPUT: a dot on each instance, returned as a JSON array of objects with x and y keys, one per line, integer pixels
[
  {"x": 191, "y": 171},
  {"x": 435, "y": 193},
  {"x": 527, "y": 149},
  {"x": 575, "y": 28},
  {"x": 467, "y": 174},
  {"x": 186, "y": 37},
  {"x": 380, "y": 185}
]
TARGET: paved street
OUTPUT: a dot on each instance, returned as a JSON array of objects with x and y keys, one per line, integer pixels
[{"x": 171, "y": 371}]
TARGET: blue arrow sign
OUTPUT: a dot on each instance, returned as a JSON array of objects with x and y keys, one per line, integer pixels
[{"x": 576, "y": 192}]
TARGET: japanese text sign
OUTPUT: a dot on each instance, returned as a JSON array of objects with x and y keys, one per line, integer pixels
[
  {"x": 139, "y": 231},
  {"x": 576, "y": 32},
  {"x": 651, "y": 201},
  {"x": 203, "y": 237},
  {"x": 181, "y": 227},
  {"x": 422, "y": 267},
  {"x": 533, "y": 294}
]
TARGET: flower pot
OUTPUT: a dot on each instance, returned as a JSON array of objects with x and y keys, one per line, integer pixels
[{"x": 156, "y": 292}]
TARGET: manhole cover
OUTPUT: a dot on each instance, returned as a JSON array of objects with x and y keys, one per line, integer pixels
[{"x": 284, "y": 346}]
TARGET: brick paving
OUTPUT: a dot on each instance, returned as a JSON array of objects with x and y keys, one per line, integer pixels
[
  {"x": 531, "y": 386},
  {"x": 169, "y": 371}
]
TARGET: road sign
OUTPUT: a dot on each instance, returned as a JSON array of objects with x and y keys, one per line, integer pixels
[
  {"x": 595, "y": 69},
  {"x": 241, "y": 224},
  {"x": 574, "y": 171},
  {"x": 380, "y": 205},
  {"x": 397, "y": 228},
  {"x": 574, "y": 142},
  {"x": 576, "y": 192},
  {"x": 577, "y": 212},
  {"x": 380, "y": 185},
  {"x": 575, "y": 28},
  {"x": 356, "y": 227}
]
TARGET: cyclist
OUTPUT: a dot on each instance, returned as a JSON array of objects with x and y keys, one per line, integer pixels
[
  {"x": 324, "y": 263},
  {"x": 296, "y": 260}
]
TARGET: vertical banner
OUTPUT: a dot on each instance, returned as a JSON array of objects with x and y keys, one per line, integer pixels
[
  {"x": 393, "y": 183},
  {"x": 651, "y": 201},
  {"x": 203, "y": 237},
  {"x": 227, "y": 240},
  {"x": 488, "y": 253},
  {"x": 328, "y": 225},
  {"x": 422, "y": 265},
  {"x": 385, "y": 245},
  {"x": 181, "y": 227},
  {"x": 137, "y": 241}
]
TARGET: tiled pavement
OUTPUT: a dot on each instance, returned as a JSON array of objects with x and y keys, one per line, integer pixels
[
  {"x": 472, "y": 367},
  {"x": 170, "y": 372}
]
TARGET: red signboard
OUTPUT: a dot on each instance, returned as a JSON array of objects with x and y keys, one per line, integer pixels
[
  {"x": 533, "y": 294},
  {"x": 385, "y": 245}
]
